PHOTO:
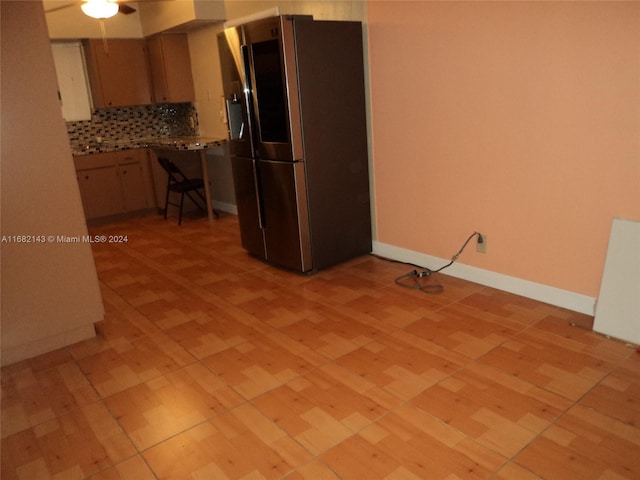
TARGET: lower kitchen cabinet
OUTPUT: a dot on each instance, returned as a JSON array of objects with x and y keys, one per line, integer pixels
[
  {"x": 97, "y": 188},
  {"x": 133, "y": 181},
  {"x": 115, "y": 183}
]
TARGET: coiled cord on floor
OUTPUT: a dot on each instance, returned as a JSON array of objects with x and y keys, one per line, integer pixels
[{"x": 413, "y": 278}]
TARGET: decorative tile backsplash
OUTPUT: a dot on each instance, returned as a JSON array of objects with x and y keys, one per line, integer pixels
[{"x": 125, "y": 124}]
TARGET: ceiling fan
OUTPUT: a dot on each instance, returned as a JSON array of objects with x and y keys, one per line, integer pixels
[{"x": 98, "y": 8}]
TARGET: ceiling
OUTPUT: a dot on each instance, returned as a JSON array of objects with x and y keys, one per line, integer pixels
[{"x": 150, "y": 17}]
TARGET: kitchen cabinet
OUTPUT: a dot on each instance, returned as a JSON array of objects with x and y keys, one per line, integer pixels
[
  {"x": 72, "y": 81},
  {"x": 118, "y": 72},
  {"x": 133, "y": 181},
  {"x": 97, "y": 188},
  {"x": 170, "y": 67},
  {"x": 115, "y": 183}
]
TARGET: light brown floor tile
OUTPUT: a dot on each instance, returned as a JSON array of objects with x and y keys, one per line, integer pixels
[
  {"x": 508, "y": 305},
  {"x": 299, "y": 349},
  {"x": 573, "y": 318},
  {"x": 126, "y": 363},
  {"x": 618, "y": 395},
  {"x": 338, "y": 286},
  {"x": 172, "y": 403},
  {"x": 210, "y": 333},
  {"x": 501, "y": 412},
  {"x": 73, "y": 445},
  {"x": 325, "y": 407},
  {"x": 210, "y": 328},
  {"x": 409, "y": 443},
  {"x": 240, "y": 444},
  {"x": 465, "y": 330},
  {"x": 32, "y": 395},
  {"x": 585, "y": 444},
  {"x": 331, "y": 333},
  {"x": 559, "y": 331},
  {"x": 244, "y": 288},
  {"x": 255, "y": 367},
  {"x": 561, "y": 365},
  {"x": 403, "y": 364},
  {"x": 283, "y": 308},
  {"x": 313, "y": 471},
  {"x": 391, "y": 308},
  {"x": 134, "y": 468},
  {"x": 513, "y": 471}
]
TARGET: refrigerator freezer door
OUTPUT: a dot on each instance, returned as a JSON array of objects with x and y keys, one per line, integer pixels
[
  {"x": 286, "y": 219},
  {"x": 245, "y": 182},
  {"x": 332, "y": 102}
]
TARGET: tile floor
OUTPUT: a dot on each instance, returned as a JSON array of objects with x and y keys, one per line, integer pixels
[{"x": 212, "y": 365}]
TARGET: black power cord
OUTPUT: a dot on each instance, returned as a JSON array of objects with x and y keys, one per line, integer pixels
[{"x": 412, "y": 279}]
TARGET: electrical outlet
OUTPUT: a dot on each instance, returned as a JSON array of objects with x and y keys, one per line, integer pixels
[{"x": 481, "y": 247}]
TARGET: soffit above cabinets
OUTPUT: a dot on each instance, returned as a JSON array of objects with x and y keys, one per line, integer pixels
[
  {"x": 179, "y": 15},
  {"x": 150, "y": 17}
]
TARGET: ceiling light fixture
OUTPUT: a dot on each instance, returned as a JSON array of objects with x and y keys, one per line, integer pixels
[{"x": 100, "y": 8}]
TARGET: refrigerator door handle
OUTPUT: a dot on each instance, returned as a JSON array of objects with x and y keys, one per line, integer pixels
[
  {"x": 258, "y": 188},
  {"x": 248, "y": 96},
  {"x": 235, "y": 122},
  {"x": 248, "y": 99}
]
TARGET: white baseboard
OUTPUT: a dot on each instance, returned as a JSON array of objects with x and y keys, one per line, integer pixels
[
  {"x": 536, "y": 291},
  {"x": 225, "y": 207},
  {"x": 14, "y": 354}
]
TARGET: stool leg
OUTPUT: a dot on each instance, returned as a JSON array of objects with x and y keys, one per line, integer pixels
[
  {"x": 166, "y": 204},
  {"x": 180, "y": 213}
]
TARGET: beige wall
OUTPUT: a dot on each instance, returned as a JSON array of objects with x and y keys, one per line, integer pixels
[
  {"x": 50, "y": 291},
  {"x": 517, "y": 119},
  {"x": 205, "y": 67}
]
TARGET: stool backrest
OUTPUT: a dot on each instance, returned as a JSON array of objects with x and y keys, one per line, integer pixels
[{"x": 175, "y": 174}]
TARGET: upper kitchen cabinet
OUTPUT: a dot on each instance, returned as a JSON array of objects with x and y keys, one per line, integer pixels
[
  {"x": 72, "y": 80},
  {"x": 118, "y": 72},
  {"x": 170, "y": 67}
]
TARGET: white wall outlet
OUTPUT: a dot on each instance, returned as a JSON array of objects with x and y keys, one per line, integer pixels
[{"x": 481, "y": 247}]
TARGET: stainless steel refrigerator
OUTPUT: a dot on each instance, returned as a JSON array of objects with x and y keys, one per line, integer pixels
[{"x": 295, "y": 104}]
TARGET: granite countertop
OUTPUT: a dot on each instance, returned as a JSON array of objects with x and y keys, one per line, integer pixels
[{"x": 170, "y": 143}]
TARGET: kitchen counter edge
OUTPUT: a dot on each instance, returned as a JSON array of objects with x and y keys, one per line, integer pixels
[{"x": 171, "y": 143}]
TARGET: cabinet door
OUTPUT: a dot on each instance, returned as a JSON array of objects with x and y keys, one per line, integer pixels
[
  {"x": 72, "y": 81},
  {"x": 100, "y": 191},
  {"x": 170, "y": 67},
  {"x": 119, "y": 73},
  {"x": 146, "y": 157},
  {"x": 133, "y": 181}
]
